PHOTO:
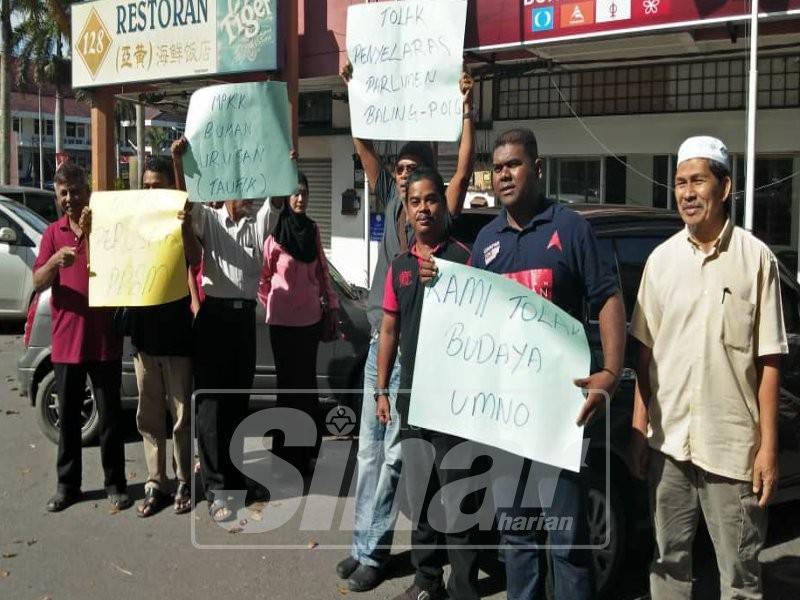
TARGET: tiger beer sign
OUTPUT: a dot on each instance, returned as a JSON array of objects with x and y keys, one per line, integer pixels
[{"x": 149, "y": 40}]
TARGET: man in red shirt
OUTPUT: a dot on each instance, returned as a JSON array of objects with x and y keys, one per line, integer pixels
[{"x": 83, "y": 343}]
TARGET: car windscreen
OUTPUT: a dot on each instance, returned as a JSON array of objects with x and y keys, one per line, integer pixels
[
  {"x": 341, "y": 282},
  {"x": 36, "y": 222},
  {"x": 42, "y": 204}
]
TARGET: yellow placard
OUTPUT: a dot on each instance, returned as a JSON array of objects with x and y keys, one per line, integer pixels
[{"x": 136, "y": 253}]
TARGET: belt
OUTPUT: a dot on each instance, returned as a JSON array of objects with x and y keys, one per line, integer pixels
[{"x": 235, "y": 303}]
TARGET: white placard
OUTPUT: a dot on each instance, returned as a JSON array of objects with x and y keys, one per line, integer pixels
[
  {"x": 407, "y": 60},
  {"x": 496, "y": 364}
]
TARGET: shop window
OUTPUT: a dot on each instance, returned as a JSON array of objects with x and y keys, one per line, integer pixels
[
  {"x": 707, "y": 85},
  {"x": 77, "y": 131},
  {"x": 772, "y": 218},
  {"x": 772, "y": 209},
  {"x": 663, "y": 179},
  {"x": 575, "y": 180},
  {"x": 316, "y": 110},
  {"x": 616, "y": 179}
]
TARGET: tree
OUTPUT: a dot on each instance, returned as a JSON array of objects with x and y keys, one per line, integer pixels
[
  {"x": 6, "y": 35},
  {"x": 157, "y": 139},
  {"x": 41, "y": 49}
]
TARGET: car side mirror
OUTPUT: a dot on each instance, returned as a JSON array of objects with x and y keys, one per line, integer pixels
[{"x": 8, "y": 235}]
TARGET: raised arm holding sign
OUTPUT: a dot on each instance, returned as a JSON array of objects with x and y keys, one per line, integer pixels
[{"x": 368, "y": 86}]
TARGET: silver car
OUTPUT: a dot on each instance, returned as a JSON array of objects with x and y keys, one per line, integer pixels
[{"x": 21, "y": 232}]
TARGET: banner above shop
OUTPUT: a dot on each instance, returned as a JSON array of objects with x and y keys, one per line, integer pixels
[
  {"x": 509, "y": 23},
  {"x": 152, "y": 40}
]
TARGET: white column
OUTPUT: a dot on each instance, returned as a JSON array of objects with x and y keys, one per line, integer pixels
[{"x": 752, "y": 108}]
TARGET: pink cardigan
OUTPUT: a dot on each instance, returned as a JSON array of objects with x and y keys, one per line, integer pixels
[{"x": 290, "y": 289}]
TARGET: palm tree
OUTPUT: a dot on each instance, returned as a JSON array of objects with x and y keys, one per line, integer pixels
[
  {"x": 41, "y": 48},
  {"x": 5, "y": 90}
]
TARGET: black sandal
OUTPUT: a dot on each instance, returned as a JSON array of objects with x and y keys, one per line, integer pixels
[
  {"x": 183, "y": 498},
  {"x": 154, "y": 501}
]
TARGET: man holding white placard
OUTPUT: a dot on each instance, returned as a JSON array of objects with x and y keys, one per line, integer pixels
[
  {"x": 379, "y": 445},
  {"x": 551, "y": 250}
]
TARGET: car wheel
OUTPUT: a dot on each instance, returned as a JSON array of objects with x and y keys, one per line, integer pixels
[
  {"x": 48, "y": 415},
  {"x": 606, "y": 517}
]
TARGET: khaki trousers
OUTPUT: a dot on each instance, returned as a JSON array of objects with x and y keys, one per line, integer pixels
[
  {"x": 736, "y": 524},
  {"x": 165, "y": 383}
]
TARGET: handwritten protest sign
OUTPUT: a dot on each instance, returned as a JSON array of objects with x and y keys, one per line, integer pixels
[
  {"x": 239, "y": 143},
  {"x": 136, "y": 248},
  {"x": 407, "y": 60},
  {"x": 510, "y": 357}
]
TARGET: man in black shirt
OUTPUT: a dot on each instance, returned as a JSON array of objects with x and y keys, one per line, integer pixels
[
  {"x": 402, "y": 306},
  {"x": 379, "y": 464},
  {"x": 162, "y": 340}
]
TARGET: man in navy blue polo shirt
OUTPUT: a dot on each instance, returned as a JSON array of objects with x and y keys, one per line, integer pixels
[{"x": 551, "y": 250}]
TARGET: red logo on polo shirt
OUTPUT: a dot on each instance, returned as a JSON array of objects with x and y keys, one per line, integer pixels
[
  {"x": 536, "y": 280},
  {"x": 555, "y": 242},
  {"x": 404, "y": 278}
]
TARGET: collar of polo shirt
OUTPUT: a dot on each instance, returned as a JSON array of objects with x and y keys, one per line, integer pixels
[
  {"x": 547, "y": 208},
  {"x": 720, "y": 244}
]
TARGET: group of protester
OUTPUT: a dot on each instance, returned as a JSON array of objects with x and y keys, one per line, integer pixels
[
  {"x": 205, "y": 340},
  {"x": 704, "y": 428},
  {"x": 708, "y": 324}
]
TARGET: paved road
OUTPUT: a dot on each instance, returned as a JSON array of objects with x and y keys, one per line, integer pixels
[{"x": 87, "y": 552}]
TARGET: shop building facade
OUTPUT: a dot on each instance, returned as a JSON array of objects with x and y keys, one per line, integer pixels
[{"x": 609, "y": 108}]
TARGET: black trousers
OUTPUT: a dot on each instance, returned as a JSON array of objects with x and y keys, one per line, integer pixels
[
  {"x": 295, "y": 352},
  {"x": 106, "y": 378},
  {"x": 437, "y": 523},
  {"x": 224, "y": 359}
]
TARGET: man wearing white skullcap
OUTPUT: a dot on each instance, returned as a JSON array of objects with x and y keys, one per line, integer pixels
[{"x": 710, "y": 330}]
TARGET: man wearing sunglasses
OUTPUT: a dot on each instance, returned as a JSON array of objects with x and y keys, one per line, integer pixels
[{"x": 379, "y": 445}]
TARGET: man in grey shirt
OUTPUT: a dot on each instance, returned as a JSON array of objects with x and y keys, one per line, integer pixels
[{"x": 379, "y": 457}]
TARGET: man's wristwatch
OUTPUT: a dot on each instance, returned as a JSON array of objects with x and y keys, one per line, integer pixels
[{"x": 379, "y": 392}]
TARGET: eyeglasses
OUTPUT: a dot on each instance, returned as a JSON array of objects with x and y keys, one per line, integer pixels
[{"x": 400, "y": 169}]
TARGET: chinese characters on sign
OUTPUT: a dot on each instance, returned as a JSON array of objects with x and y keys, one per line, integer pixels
[{"x": 149, "y": 40}]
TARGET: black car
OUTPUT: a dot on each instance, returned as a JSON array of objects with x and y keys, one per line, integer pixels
[
  {"x": 42, "y": 202},
  {"x": 618, "y": 512}
]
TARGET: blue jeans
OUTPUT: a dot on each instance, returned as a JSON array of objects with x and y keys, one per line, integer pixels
[
  {"x": 379, "y": 465},
  {"x": 560, "y": 494}
]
